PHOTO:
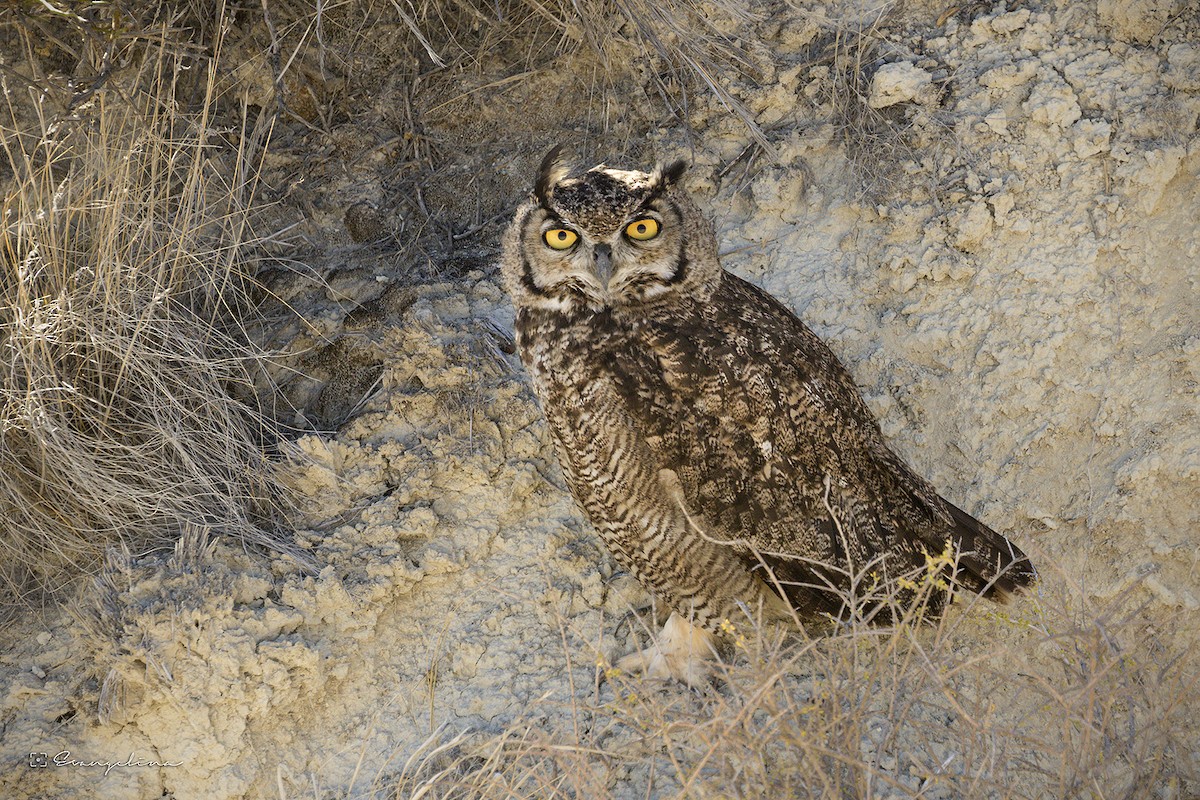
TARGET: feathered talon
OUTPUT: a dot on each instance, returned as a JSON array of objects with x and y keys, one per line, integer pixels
[{"x": 682, "y": 651}]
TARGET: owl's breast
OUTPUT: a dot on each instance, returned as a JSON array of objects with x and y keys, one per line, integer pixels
[
  {"x": 595, "y": 374},
  {"x": 575, "y": 350}
]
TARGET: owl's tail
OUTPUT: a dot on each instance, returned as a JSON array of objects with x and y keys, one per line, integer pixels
[{"x": 988, "y": 563}]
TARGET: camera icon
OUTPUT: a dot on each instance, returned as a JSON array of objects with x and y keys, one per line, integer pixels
[{"x": 37, "y": 760}]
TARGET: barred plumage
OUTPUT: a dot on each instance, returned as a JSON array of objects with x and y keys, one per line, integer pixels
[{"x": 705, "y": 431}]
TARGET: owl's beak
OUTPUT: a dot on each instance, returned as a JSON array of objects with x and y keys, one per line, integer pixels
[{"x": 603, "y": 255}]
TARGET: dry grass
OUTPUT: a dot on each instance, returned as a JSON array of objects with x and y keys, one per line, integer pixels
[
  {"x": 126, "y": 235},
  {"x": 124, "y": 257},
  {"x": 846, "y": 55},
  {"x": 1073, "y": 700},
  {"x": 683, "y": 45},
  {"x": 675, "y": 46}
]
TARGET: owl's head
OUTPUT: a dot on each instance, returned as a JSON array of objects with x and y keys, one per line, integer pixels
[{"x": 608, "y": 239}]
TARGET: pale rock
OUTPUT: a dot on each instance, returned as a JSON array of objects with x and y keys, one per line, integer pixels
[
  {"x": 1002, "y": 205},
  {"x": 972, "y": 227},
  {"x": 1183, "y": 72},
  {"x": 1090, "y": 136},
  {"x": 997, "y": 122},
  {"x": 1170, "y": 596},
  {"x": 1009, "y": 76},
  {"x": 1146, "y": 175},
  {"x": 1135, "y": 20},
  {"x": 1052, "y": 102},
  {"x": 1011, "y": 22},
  {"x": 897, "y": 83},
  {"x": 1037, "y": 35}
]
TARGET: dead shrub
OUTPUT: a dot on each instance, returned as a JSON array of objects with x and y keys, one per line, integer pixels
[{"x": 124, "y": 254}]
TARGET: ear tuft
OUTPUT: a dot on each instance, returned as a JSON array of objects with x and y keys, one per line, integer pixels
[
  {"x": 665, "y": 175},
  {"x": 553, "y": 169}
]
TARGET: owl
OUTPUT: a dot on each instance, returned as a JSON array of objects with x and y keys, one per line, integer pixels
[{"x": 719, "y": 448}]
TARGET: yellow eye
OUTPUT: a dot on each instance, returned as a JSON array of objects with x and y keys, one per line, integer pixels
[
  {"x": 560, "y": 238},
  {"x": 642, "y": 229}
]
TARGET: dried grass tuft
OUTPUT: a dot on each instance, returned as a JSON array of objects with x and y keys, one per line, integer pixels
[
  {"x": 878, "y": 142},
  {"x": 123, "y": 250},
  {"x": 1072, "y": 700},
  {"x": 674, "y": 46}
]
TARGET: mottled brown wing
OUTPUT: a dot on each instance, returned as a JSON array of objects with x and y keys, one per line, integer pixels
[{"x": 772, "y": 443}]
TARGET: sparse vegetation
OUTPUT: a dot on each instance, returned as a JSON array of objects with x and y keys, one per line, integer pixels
[
  {"x": 128, "y": 247},
  {"x": 124, "y": 249},
  {"x": 1099, "y": 708}
]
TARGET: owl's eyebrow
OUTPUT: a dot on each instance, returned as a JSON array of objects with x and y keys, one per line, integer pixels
[
  {"x": 554, "y": 219},
  {"x": 650, "y": 197},
  {"x": 655, "y": 194}
]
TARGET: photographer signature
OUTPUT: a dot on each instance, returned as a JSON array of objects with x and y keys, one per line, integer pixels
[{"x": 64, "y": 758}]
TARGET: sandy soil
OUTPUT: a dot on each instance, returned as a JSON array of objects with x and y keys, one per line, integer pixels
[{"x": 1014, "y": 290}]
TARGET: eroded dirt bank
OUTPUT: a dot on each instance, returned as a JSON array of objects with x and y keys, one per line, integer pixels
[{"x": 1006, "y": 258}]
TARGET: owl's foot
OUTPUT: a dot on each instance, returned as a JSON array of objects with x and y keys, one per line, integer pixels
[{"x": 682, "y": 651}]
